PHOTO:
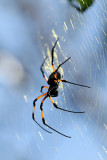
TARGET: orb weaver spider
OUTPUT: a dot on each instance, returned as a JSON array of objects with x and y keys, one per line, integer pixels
[{"x": 53, "y": 82}]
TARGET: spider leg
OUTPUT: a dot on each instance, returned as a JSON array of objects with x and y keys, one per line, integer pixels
[
  {"x": 73, "y": 83},
  {"x": 43, "y": 87},
  {"x": 55, "y": 105},
  {"x": 34, "y": 111},
  {"x": 52, "y": 63},
  {"x": 43, "y": 119},
  {"x": 41, "y": 68},
  {"x": 62, "y": 64}
]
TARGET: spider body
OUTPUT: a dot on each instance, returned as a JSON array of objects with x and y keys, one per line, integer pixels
[
  {"x": 53, "y": 82},
  {"x": 53, "y": 91}
]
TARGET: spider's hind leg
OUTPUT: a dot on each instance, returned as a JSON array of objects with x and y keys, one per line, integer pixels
[
  {"x": 34, "y": 111},
  {"x": 43, "y": 119},
  {"x": 55, "y": 105}
]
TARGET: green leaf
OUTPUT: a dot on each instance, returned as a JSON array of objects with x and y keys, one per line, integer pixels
[{"x": 81, "y": 5}]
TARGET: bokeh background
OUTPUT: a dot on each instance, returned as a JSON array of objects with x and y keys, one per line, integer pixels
[{"x": 28, "y": 30}]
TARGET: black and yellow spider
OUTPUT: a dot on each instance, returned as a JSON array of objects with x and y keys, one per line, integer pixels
[{"x": 53, "y": 82}]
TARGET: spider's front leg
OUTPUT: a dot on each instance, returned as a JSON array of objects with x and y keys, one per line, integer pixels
[
  {"x": 41, "y": 68},
  {"x": 65, "y": 81},
  {"x": 52, "y": 53}
]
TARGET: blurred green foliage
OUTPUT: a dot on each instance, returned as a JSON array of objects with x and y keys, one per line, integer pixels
[{"x": 81, "y": 5}]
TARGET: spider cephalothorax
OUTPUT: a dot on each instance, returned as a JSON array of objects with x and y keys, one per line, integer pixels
[{"x": 53, "y": 82}]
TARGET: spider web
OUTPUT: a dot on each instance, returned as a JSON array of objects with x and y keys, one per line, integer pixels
[{"x": 84, "y": 39}]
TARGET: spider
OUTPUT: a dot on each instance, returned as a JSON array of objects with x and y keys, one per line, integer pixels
[{"x": 53, "y": 82}]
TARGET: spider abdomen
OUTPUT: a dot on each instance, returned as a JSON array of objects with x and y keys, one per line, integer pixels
[{"x": 53, "y": 91}]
